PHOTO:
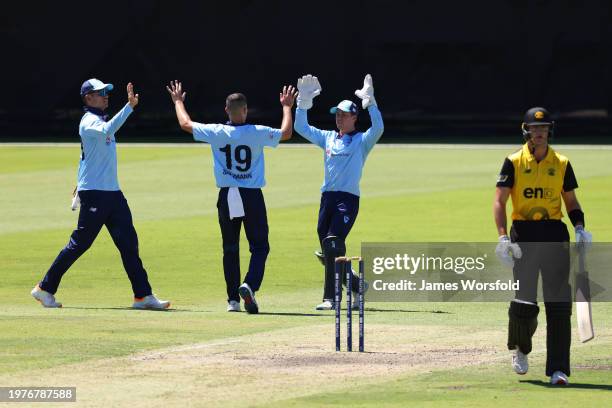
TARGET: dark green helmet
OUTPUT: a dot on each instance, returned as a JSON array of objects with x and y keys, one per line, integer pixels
[{"x": 537, "y": 116}]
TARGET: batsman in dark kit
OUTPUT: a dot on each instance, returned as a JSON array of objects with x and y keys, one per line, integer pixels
[{"x": 537, "y": 179}]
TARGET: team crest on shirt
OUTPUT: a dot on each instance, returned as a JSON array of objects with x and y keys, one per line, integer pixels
[{"x": 551, "y": 171}]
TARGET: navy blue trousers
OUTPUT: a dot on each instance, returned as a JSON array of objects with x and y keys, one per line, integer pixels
[
  {"x": 256, "y": 228},
  {"x": 100, "y": 208},
  {"x": 337, "y": 214}
]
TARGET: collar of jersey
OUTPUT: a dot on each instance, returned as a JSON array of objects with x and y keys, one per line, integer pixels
[
  {"x": 228, "y": 123},
  {"x": 351, "y": 134},
  {"x": 549, "y": 154},
  {"x": 96, "y": 111}
]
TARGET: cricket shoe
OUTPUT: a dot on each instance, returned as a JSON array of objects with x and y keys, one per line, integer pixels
[
  {"x": 150, "y": 302},
  {"x": 45, "y": 298},
  {"x": 233, "y": 306},
  {"x": 326, "y": 305},
  {"x": 355, "y": 305},
  {"x": 559, "y": 378},
  {"x": 520, "y": 363},
  {"x": 250, "y": 304}
]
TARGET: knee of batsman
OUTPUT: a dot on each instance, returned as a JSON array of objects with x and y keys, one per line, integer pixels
[
  {"x": 558, "y": 309},
  {"x": 523, "y": 311}
]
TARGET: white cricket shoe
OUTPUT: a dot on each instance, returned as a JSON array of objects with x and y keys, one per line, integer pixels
[
  {"x": 150, "y": 302},
  {"x": 233, "y": 306},
  {"x": 520, "y": 363},
  {"x": 326, "y": 305},
  {"x": 559, "y": 378},
  {"x": 45, "y": 298},
  {"x": 250, "y": 304}
]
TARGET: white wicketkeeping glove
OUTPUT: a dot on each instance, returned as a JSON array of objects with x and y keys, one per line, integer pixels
[
  {"x": 76, "y": 201},
  {"x": 583, "y": 236},
  {"x": 506, "y": 251},
  {"x": 366, "y": 94},
  {"x": 308, "y": 87}
]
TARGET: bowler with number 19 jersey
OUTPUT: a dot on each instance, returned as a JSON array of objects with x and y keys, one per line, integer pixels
[{"x": 238, "y": 164}]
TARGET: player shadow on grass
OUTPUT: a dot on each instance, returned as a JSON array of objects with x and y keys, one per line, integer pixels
[
  {"x": 293, "y": 314},
  {"x": 181, "y": 310},
  {"x": 124, "y": 308},
  {"x": 173, "y": 310},
  {"x": 584, "y": 386},
  {"x": 375, "y": 309}
]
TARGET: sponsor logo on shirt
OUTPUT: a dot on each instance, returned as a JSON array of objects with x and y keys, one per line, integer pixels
[
  {"x": 538, "y": 192},
  {"x": 551, "y": 171}
]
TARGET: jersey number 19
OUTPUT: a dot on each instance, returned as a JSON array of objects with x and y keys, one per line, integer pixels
[{"x": 242, "y": 156}]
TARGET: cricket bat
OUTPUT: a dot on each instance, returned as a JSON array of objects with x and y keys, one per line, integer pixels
[{"x": 584, "y": 313}]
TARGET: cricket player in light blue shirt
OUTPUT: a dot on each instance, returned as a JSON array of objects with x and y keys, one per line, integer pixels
[
  {"x": 345, "y": 153},
  {"x": 238, "y": 163},
  {"x": 102, "y": 202}
]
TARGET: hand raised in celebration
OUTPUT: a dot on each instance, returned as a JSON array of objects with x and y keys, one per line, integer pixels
[
  {"x": 366, "y": 93},
  {"x": 132, "y": 99},
  {"x": 288, "y": 95},
  {"x": 176, "y": 91}
]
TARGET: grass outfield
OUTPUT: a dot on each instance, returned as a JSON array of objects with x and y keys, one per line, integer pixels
[{"x": 423, "y": 354}]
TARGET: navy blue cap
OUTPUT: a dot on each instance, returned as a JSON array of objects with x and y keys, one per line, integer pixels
[{"x": 94, "y": 84}]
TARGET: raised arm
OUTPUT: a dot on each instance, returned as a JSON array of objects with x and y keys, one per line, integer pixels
[
  {"x": 113, "y": 125},
  {"x": 175, "y": 89},
  {"x": 366, "y": 94},
  {"x": 287, "y": 99}
]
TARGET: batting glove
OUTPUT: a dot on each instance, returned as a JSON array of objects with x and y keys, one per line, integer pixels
[
  {"x": 366, "y": 94},
  {"x": 583, "y": 236},
  {"x": 308, "y": 87},
  {"x": 506, "y": 251}
]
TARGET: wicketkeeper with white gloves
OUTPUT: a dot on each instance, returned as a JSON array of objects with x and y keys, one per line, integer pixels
[
  {"x": 537, "y": 178},
  {"x": 345, "y": 153},
  {"x": 101, "y": 199}
]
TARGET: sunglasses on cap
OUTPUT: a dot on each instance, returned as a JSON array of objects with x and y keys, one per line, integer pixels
[{"x": 101, "y": 92}]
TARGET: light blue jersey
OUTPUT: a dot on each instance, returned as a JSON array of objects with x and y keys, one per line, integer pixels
[
  {"x": 238, "y": 159},
  {"x": 98, "y": 165},
  {"x": 344, "y": 155}
]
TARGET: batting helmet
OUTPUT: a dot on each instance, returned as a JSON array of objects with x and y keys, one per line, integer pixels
[{"x": 537, "y": 116}]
